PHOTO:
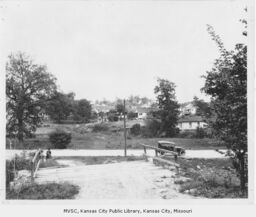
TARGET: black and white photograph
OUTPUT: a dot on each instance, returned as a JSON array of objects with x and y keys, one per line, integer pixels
[{"x": 127, "y": 102}]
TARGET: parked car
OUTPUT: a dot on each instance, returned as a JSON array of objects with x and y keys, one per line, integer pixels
[{"x": 170, "y": 146}]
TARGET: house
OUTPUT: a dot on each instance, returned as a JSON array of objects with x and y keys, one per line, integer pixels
[
  {"x": 142, "y": 112},
  {"x": 187, "y": 109},
  {"x": 191, "y": 122}
]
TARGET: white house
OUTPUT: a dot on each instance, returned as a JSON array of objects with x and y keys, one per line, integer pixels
[
  {"x": 187, "y": 109},
  {"x": 191, "y": 123},
  {"x": 142, "y": 113}
]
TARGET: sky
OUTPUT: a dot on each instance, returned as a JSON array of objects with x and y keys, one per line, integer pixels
[{"x": 109, "y": 49}]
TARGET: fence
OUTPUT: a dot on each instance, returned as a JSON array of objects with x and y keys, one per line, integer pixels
[
  {"x": 157, "y": 160},
  {"x": 35, "y": 163}
]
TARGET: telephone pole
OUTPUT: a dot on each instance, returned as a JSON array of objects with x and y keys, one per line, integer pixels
[{"x": 125, "y": 144}]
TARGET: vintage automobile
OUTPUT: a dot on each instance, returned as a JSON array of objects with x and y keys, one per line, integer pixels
[{"x": 171, "y": 146}]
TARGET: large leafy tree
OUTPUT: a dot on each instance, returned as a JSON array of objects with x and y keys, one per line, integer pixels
[
  {"x": 60, "y": 106},
  {"x": 28, "y": 87},
  {"x": 82, "y": 110},
  {"x": 226, "y": 83},
  {"x": 168, "y": 106}
]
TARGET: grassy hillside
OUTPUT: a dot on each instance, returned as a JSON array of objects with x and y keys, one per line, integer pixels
[{"x": 111, "y": 137}]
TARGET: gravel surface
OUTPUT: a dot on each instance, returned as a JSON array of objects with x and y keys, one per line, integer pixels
[{"x": 126, "y": 180}]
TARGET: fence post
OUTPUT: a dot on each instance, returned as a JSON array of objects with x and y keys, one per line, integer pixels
[
  {"x": 156, "y": 152},
  {"x": 32, "y": 171},
  {"x": 145, "y": 150}
]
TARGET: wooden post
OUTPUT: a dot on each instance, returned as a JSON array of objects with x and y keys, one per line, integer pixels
[
  {"x": 125, "y": 144},
  {"x": 145, "y": 150},
  {"x": 156, "y": 153},
  {"x": 32, "y": 171}
]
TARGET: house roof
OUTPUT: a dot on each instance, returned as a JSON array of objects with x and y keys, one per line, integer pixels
[{"x": 190, "y": 118}]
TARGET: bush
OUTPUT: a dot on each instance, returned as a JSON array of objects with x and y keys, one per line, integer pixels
[
  {"x": 152, "y": 128},
  {"x": 135, "y": 130},
  {"x": 131, "y": 115},
  {"x": 19, "y": 163},
  {"x": 60, "y": 139},
  {"x": 200, "y": 133},
  {"x": 113, "y": 117},
  {"x": 186, "y": 134},
  {"x": 100, "y": 127}
]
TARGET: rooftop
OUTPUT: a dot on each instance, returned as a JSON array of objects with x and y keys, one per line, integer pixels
[{"x": 190, "y": 118}]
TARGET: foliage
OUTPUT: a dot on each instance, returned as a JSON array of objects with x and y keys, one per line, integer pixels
[
  {"x": 112, "y": 115},
  {"x": 28, "y": 88},
  {"x": 100, "y": 127},
  {"x": 168, "y": 107},
  {"x": 47, "y": 191},
  {"x": 152, "y": 128},
  {"x": 60, "y": 139},
  {"x": 131, "y": 115},
  {"x": 226, "y": 83},
  {"x": 120, "y": 108},
  {"x": 82, "y": 110},
  {"x": 200, "y": 133},
  {"x": 210, "y": 178},
  {"x": 202, "y": 108},
  {"x": 18, "y": 163},
  {"x": 135, "y": 129},
  {"x": 60, "y": 106}
]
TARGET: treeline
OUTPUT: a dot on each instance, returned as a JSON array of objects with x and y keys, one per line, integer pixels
[{"x": 63, "y": 107}]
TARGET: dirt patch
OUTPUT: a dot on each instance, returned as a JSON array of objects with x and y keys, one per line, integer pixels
[{"x": 123, "y": 180}]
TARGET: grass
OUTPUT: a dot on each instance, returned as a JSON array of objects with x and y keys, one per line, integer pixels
[
  {"x": 115, "y": 140},
  {"x": 107, "y": 136},
  {"x": 92, "y": 160},
  {"x": 44, "y": 192},
  {"x": 210, "y": 178}
]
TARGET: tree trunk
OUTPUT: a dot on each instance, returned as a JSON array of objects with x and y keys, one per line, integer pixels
[{"x": 20, "y": 131}]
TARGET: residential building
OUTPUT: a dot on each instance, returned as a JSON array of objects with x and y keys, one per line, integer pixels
[{"x": 191, "y": 122}]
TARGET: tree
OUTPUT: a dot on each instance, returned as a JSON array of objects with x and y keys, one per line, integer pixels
[
  {"x": 28, "y": 88},
  {"x": 60, "y": 106},
  {"x": 82, "y": 110},
  {"x": 202, "y": 108},
  {"x": 168, "y": 106},
  {"x": 226, "y": 83},
  {"x": 120, "y": 108}
]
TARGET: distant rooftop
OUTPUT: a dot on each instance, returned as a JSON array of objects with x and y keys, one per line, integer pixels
[{"x": 191, "y": 118}]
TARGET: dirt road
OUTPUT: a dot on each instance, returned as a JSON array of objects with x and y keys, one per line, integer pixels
[
  {"x": 125, "y": 180},
  {"x": 207, "y": 154}
]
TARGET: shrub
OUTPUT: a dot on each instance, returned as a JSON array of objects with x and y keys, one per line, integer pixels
[
  {"x": 112, "y": 117},
  {"x": 19, "y": 163},
  {"x": 135, "y": 130},
  {"x": 186, "y": 134},
  {"x": 131, "y": 115},
  {"x": 200, "y": 133},
  {"x": 60, "y": 139},
  {"x": 100, "y": 127},
  {"x": 152, "y": 128}
]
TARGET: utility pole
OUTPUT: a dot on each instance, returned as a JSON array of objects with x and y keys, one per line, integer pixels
[{"x": 125, "y": 144}]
